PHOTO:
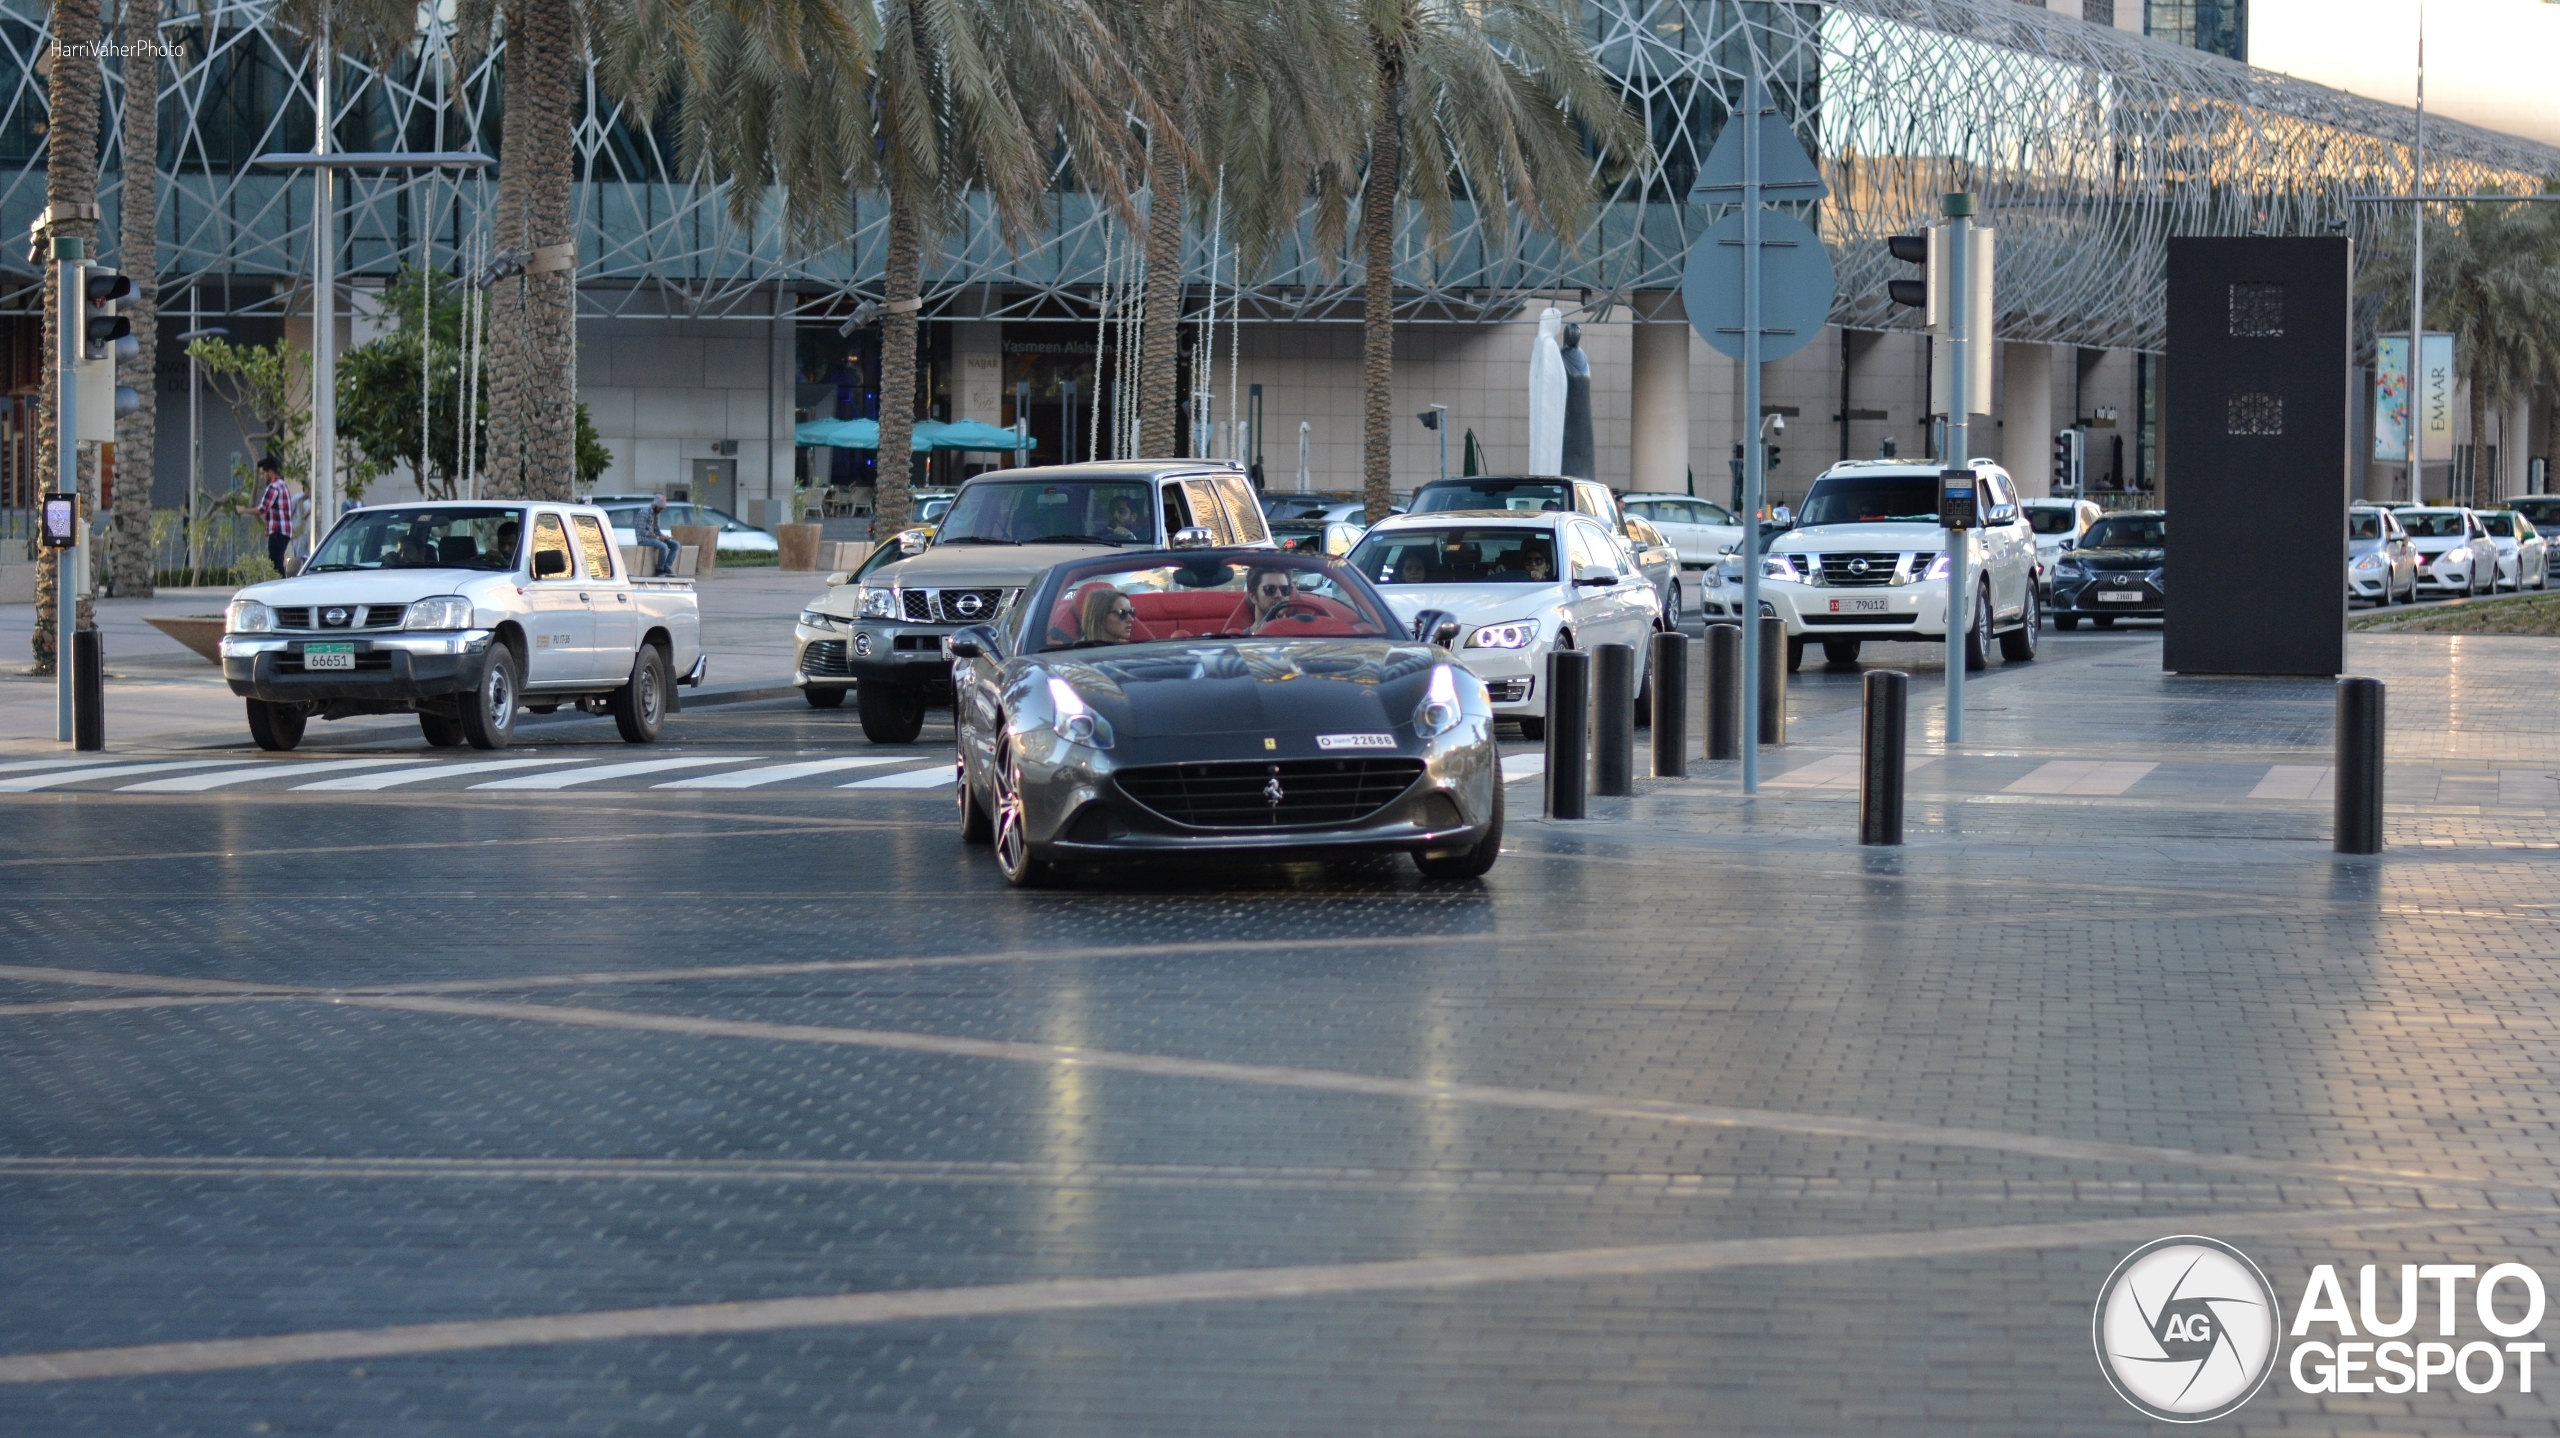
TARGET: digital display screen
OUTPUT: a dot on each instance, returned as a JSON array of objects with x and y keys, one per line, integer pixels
[{"x": 61, "y": 520}]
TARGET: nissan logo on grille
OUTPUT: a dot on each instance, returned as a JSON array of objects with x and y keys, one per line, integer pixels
[
  {"x": 1857, "y": 566},
  {"x": 334, "y": 618},
  {"x": 967, "y": 606}
]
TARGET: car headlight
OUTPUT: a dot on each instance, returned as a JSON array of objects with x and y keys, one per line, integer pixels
[
  {"x": 1781, "y": 566},
  {"x": 1071, "y": 720},
  {"x": 814, "y": 620},
  {"x": 1941, "y": 566},
  {"x": 2071, "y": 569},
  {"x": 1516, "y": 634},
  {"x": 2369, "y": 561},
  {"x": 445, "y": 611},
  {"x": 876, "y": 603},
  {"x": 1440, "y": 710},
  {"x": 248, "y": 616}
]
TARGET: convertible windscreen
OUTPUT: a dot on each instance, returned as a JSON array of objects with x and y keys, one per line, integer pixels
[
  {"x": 1058, "y": 511},
  {"x": 1512, "y": 555},
  {"x": 1871, "y": 499},
  {"x": 422, "y": 539},
  {"x": 1214, "y": 597}
]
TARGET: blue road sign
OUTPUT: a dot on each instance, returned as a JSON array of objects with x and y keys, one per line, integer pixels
[{"x": 1795, "y": 285}]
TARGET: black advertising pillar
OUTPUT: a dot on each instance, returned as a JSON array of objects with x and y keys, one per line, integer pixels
[{"x": 2256, "y": 415}]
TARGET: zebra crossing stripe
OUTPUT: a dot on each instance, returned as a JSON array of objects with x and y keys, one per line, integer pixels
[
  {"x": 367, "y": 783},
  {"x": 1518, "y": 768},
  {"x": 933, "y": 778},
  {"x": 566, "y": 778},
  {"x": 16, "y": 764},
  {"x": 775, "y": 773},
  {"x": 274, "y": 768},
  {"x": 31, "y": 782}
]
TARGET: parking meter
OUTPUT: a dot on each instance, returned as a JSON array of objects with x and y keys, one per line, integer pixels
[{"x": 1957, "y": 507}]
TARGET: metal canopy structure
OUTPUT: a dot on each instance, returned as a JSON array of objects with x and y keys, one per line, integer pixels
[{"x": 2088, "y": 146}]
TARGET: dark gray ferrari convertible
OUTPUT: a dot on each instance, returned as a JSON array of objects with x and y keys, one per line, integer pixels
[{"x": 1138, "y": 705}]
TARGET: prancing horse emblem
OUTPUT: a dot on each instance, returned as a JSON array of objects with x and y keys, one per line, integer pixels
[{"x": 1272, "y": 793}]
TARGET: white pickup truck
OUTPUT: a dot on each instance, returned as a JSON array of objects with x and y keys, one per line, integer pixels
[{"x": 466, "y": 614}]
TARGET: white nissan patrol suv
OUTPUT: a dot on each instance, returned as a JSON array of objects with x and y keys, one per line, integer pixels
[{"x": 1860, "y": 563}]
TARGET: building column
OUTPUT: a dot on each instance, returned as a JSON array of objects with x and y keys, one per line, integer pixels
[
  {"x": 2026, "y": 411},
  {"x": 1659, "y": 394},
  {"x": 2515, "y": 443}
]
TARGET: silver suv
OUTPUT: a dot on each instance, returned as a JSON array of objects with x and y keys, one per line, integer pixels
[{"x": 881, "y": 635}]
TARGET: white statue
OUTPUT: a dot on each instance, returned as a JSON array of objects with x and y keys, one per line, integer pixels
[{"x": 1546, "y": 394}]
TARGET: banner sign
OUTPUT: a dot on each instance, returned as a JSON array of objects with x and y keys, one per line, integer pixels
[{"x": 2393, "y": 397}]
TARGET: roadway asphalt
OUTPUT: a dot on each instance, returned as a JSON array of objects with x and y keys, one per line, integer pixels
[{"x": 619, "y": 1101}]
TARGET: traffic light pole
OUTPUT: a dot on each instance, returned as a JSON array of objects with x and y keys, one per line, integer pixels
[
  {"x": 1755, "y": 475},
  {"x": 67, "y": 563},
  {"x": 1960, "y": 343}
]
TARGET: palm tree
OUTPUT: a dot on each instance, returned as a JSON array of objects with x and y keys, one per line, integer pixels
[
  {"x": 2493, "y": 281},
  {"x": 925, "y": 101},
  {"x": 1252, "y": 87},
  {"x": 130, "y": 561},
  {"x": 1502, "y": 93},
  {"x": 71, "y": 194}
]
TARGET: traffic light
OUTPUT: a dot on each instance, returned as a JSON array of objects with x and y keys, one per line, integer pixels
[
  {"x": 2070, "y": 461},
  {"x": 103, "y": 331},
  {"x": 1916, "y": 250},
  {"x": 1774, "y": 453}
]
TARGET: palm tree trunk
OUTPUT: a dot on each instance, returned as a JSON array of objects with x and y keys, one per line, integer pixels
[
  {"x": 1160, "y": 347},
  {"x": 891, "y": 499},
  {"x": 130, "y": 558},
  {"x": 70, "y": 185},
  {"x": 1378, "y": 291},
  {"x": 533, "y": 322},
  {"x": 2480, "y": 443}
]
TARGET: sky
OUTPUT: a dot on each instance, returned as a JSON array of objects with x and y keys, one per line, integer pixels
[{"x": 2494, "y": 63}]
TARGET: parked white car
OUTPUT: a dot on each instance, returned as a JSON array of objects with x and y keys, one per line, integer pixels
[
  {"x": 1703, "y": 532},
  {"x": 2058, "y": 524},
  {"x": 1521, "y": 583},
  {"x": 2524, "y": 555},
  {"x": 1860, "y": 563},
  {"x": 2455, "y": 553},
  {"x": 466, "y": 614}
]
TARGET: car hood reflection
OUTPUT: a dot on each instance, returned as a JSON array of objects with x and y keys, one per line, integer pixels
[{"x": 1366, "y": 686}]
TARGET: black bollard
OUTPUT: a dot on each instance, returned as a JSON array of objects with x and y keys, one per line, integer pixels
[
  {"x": 1670, "y": 705},
  {"x": 1880, "y": 758},
  {"x": 88, "y": 691},
  {"x": 1773, "y": 681},
  {"x": 2359, "y": 771},
  {"x": 1724, "y": 691},
  {"x": 1568, "y": 733},
  {"x": 1613, "y": 742}
]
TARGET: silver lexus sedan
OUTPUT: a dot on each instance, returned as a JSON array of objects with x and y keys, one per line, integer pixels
[{"x": 1241, "y": 700}]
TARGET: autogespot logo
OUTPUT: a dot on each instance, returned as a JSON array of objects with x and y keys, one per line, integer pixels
[{"x": 2186, "y": 1328}]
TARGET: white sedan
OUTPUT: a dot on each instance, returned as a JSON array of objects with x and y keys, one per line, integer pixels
[
  {"x": 1521, "y": 584},
  {"x": 736, "y": 536},
  {"x": 2058, "y": 524},
  {"x": 2524, "y": 555},
  {"x": 2455, "y": 554}
]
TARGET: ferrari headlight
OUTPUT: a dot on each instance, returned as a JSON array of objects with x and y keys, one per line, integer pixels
[
  {"x": 1070, "y": 719},
  {"x": 248, "y": 616},
  {"x": 445, "y": 611},
  {"x": 873, "y": 602},
  {"x": 814, "y": 620},
  {"x": 1440, "y": 710},
  {"x": 1515, "y": 634}
]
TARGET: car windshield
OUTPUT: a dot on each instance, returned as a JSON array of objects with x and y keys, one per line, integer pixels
[
  {"x": 2500, "y": 526},
  {"x": 2052, "y": 519},
  {"x": 1510, "y": 554},
  {"x": 1298, "y": 534},
  {"x": 1219, "y": 595},
  {"x": 1871, "y": 499},
  {"x": 2540, "y": 511},
  {"x": 1535, "y": 496},
  {"x": 2364, "y": 524},
  {"x": 2128, "y": 531},
  {"x": 396, "y": 538},
  {"x": 1056, "y": 511},
  {"x": 2432, "y": 523}
]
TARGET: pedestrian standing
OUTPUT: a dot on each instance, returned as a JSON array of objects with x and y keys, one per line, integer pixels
[{"x": 275, "y": 505}]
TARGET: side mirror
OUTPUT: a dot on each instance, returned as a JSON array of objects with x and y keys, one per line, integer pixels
[
  {"x": 1599, "y": 575},
  {"x": 978, "y": 641},
  {"x": 1436, "y": 626},
  {"x": 841, "y": 576},
  {"x": 1193, "y": 537},
  {"x": 549, "y": 564},
  {"x": 913, "y": 542}
]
